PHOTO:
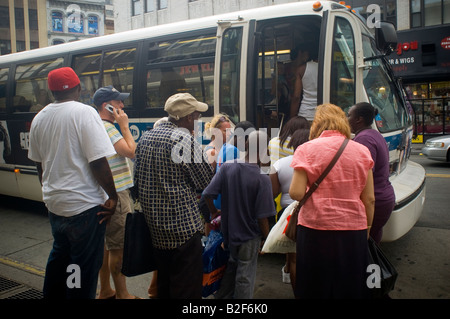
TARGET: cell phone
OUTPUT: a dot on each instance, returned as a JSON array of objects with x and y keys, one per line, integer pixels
[{"x": 110, "y": 108}]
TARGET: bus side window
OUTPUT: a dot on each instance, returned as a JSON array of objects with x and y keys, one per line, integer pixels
[
  {"x": 31, "y": 89},
  {"x": 3, "y": 80},
  {"x": 87, "y": 67},
  {"x": 118, "y": 68},
  {"x": 181, "y": 65}
]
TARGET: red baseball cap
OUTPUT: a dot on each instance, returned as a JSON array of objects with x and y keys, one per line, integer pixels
[{"x": 62, "y": 79}]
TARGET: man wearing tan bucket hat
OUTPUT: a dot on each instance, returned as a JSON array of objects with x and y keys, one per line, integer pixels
[
  {"x": 170, "y": 168},
  {"x": 184, "y": 109}
]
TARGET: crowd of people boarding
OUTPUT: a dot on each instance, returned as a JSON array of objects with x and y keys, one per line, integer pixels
[{"x": 242, "y": 178}]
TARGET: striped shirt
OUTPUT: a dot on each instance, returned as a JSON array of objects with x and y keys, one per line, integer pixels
[
  {"x": 170, "y": 168},
  {"x": 119, "y": 165},
  {"x": 278, "y": 151}
]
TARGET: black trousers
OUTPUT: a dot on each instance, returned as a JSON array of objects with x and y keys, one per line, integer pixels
[{"x": 180, "y": 270}]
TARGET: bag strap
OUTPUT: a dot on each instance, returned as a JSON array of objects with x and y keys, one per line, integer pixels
[{"x": 325, "y": 172}]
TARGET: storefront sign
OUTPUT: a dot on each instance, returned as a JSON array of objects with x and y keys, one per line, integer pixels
[
  {"x": 445, "y": 43},
  {"x": 401, "y": 47},
  {"x": 422, "y": 53}
]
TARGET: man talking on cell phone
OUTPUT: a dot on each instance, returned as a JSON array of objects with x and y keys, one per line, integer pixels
[{"x": 109, "y": 102}]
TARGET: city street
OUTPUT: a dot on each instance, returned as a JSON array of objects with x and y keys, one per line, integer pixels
[{"x": 421, "y": 256}]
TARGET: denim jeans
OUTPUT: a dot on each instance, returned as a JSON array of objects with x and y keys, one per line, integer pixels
[
  {"x": 78, "y": 241},
  {"x": 238, "y": 282}
]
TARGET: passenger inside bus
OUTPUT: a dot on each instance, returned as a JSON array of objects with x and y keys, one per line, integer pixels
[
  {"x": 21, "y": 104},
  {"x": 42, "y": 99},
  {"x": 305, "y": 70},
  {"x": 171, "y": 83}
]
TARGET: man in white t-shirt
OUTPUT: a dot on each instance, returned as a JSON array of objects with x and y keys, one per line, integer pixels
[{"x": 69, "y": 145}]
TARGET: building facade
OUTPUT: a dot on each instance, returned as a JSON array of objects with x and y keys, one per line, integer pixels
[
  {"x": 74, "y": 20},
  {"x": 19, "y": 25},
  {"x": 30, "y": 24}
]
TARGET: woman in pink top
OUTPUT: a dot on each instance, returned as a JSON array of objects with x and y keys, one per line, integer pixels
[{"x": 332, "y": 227}]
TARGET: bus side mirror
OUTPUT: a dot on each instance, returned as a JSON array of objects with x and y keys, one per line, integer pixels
[{"x": 386, "y": 37}]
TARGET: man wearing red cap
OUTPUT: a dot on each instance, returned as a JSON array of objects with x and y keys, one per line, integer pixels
[{"x": 69, "y": 145}]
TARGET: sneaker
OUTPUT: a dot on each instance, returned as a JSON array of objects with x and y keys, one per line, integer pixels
[{"x": 286, "y": 277}]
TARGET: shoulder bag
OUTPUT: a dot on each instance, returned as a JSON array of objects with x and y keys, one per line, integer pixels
[
  {"x": 138, "y": 255},
  {"x": 291, "y": 229}
]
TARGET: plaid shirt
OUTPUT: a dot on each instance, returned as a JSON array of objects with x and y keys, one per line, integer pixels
[{"x": 167, "y": 180}]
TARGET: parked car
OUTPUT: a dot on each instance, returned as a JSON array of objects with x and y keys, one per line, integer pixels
[{"x": 437, "y": 148}]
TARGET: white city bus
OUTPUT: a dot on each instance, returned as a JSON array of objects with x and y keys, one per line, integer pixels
[{"x": 229, "y": 62}]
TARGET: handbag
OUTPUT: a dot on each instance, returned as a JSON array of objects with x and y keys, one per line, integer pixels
[
  {"x": 138, "y": 257},
  {"x": 291, "y": 229},
  {"x": 382, "y": 279},
  {"x": 276, "y": 241}
]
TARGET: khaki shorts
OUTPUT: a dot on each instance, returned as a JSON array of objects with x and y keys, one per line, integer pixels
[{"x": 115, "y": 230}]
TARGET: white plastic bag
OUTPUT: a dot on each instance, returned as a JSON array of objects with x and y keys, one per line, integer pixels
[{"x": 276, "y": 241}]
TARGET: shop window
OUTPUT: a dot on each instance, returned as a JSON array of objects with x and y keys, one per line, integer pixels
[
  {"x": 57, "y": 21},
  {"x": 417, "y": 90},
  {"x": 440, "y": 89},
  {"x": 431, "y": 102},
  {"x": 433, "y": 116},
  {"x": 93, "y": 25}
]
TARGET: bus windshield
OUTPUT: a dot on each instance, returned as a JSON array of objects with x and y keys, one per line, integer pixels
[{"x": 381, "y": 91}]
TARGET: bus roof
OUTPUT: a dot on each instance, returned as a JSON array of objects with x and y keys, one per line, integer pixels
[{"x": 261, "y": 13}]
